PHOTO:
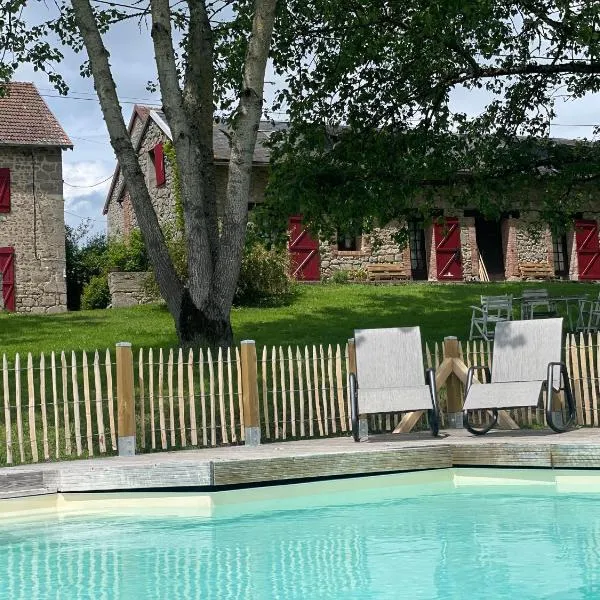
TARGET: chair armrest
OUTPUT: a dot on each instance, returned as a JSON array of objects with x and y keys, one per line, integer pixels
[
  {"x": 471, "y": 372},
  {"x": 481, "y": 310}
]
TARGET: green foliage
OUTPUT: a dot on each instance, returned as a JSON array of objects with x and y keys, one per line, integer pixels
[
  {"x": 169, "y": 151},
  {"x": 340, "y": 276},
  {"x": 375, "y": 130},
  {"x": 96, "y": 293},
  {"x": 128, "y": 254},
  {"x": 89, "y": 259},
  {"x": 84, "y": 260},
  {"x": 264, "y": 275}
]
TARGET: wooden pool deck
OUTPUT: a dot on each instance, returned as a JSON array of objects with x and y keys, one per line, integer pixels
[{"x": 307, "y": 459}]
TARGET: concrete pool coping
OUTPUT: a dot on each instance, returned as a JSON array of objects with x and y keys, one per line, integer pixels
[{"x": 213, "y": 469}]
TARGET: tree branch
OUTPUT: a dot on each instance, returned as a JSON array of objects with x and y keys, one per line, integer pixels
[
  {"x": 245, "y": 128},
  {"x": 575, "y": 67},
  {"x": 170, "y": 286},
  {"x": 193, "y": 165}
]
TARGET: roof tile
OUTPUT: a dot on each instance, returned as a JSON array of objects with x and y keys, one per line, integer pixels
[{"x": 26, "y": 120}]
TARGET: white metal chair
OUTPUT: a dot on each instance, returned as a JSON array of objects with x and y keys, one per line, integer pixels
[
  {"x": 390, "y": 377},
  {"x": 537, "y": 303},
  {"x": 493, "y": 309},
  {"x": 588, "y": 320},
  {"x": 527, "y": 361}
]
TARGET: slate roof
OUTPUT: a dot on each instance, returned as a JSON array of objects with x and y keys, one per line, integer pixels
[
  {"x": 26, "y": 120},
  {"x": 221, "y": 140}
]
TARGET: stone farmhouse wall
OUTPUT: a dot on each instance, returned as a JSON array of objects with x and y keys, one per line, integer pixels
[
  {"x": 523, "y": 241},
  {"x": 121, "y": 217},
  {"x": 35, "y": 228}
]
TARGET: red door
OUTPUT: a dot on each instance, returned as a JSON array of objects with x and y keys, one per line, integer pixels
[
  {"x": 7, "y": 268},
  {"x": 447, "y": 250},
  {"x": 304, "y": 252},
  {"x": 588, "y": 249}
]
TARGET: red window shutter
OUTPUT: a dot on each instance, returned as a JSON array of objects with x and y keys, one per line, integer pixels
[
  {"x": 159, "y": 164},
  {"x": 7, "y": 268},
  {"x": 4, "y": 190}
]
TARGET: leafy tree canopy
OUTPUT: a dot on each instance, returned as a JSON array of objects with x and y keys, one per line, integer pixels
[{"x": 374, "y": 131}]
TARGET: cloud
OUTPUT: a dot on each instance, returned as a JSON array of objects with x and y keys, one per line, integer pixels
[{"x": 85, "y": 178}]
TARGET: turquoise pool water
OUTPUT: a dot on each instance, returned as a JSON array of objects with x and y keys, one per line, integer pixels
[{"x": 466, "y": 546}]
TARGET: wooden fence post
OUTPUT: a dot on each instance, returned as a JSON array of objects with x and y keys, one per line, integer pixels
[
  {"x": 454, "y": 397},
  {"x": 251, "y": 422},
  {"x": 125, "y": 400}
]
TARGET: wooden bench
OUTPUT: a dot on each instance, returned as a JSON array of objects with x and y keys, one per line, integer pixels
[
  {"x": 385, "y": 272},
  {"x": 540, "y": 270}
]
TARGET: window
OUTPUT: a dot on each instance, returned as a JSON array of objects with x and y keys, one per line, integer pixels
[
  {"x": 349, "y": 243},
  {"x": 559, "y": 247},
  {"x": 4, "y": 190},
  {"x": 416, "y": 242},
  {"x": 157, "y": 156}
]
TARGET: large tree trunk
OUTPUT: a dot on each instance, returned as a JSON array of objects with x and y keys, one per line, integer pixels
[{"x": 201, "y": 310}]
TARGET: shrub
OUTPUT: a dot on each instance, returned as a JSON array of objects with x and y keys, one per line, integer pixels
[
  {"x": 340, "y": 276},
  {"x": 264, "y": 274},
  {"x": 96, "y": 293},
  {"x": 127, "y": 255},
  {"x": 84, "y": 257}
]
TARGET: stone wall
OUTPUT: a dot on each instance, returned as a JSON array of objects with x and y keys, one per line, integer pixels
[
  {"x": 532, "y": 246},
  {"x": 35, "y": 227},
  {"x": 127, "y": 289},
  {"x": 376, "y": 247}
]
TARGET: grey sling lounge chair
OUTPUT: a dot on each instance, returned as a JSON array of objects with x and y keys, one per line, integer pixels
[
  {"x": 390, "y": 377},
  {"x": 527, "y": 361}
]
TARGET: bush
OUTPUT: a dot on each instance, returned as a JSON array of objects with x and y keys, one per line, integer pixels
[
  {"x": 340, "y": 276},
  {"x": 264, "y": 274},
  {"x": 96, "y": 293},
  {"x": 127, "y": 255},
  {"x": 85, "y": 258}
]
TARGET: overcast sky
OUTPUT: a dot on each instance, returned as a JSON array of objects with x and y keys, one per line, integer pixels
[{"x": 132, "y": 60}]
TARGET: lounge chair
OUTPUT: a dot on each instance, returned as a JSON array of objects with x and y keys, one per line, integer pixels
[
  {"x": 390, "y": 377},
  {"x": 526, "y": 361}
]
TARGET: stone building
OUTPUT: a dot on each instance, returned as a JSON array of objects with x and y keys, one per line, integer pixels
[
  {"x": 460, "y": 245},
  {"x": 149, "y": 132},
  {"x": 32, "y": 230}
]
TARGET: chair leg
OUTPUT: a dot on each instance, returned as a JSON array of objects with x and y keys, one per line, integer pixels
[{"x": 467, "y": 425}]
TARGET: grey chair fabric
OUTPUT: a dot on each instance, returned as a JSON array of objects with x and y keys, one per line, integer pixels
[
  {"x": 522, "y": 351},
  {"x": 389, "y": 369}
]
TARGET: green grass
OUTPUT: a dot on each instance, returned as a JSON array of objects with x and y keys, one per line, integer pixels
[{"x": 318, "y": 314}]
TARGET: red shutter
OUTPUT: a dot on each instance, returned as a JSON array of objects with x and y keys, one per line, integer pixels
[
  {"x": 588, "y": 249},
  {"x": 4, "y": 190},
  {"x": 304, "y": 252},
  {"x": 159, "y": 164},
  {"x": 7, "y": 268},
  {"x": 447, "y": 250}
]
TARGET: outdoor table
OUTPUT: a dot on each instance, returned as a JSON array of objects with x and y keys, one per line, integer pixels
[{"x": 566, "y": 301}]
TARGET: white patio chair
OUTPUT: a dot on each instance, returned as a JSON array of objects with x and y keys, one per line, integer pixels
[
  {"x": 390, "y": 377},
  {"x": 526, "y": 362},
  {"x": 588, "y": 320},
  {"x": 493, "y": 309},
  {"x": 537, "y": 303}
]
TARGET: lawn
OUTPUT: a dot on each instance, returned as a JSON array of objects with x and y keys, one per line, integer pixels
[{"x": 318, "y": 314}]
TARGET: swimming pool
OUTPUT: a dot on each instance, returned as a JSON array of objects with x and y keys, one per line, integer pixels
[{"x": 457, "y": 534}]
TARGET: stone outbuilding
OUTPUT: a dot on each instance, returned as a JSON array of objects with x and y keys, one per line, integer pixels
[
  {"x": 32, "y": 230},
  {"x": 149, "y": 133},
  {"x": 457, "y": 245}
]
